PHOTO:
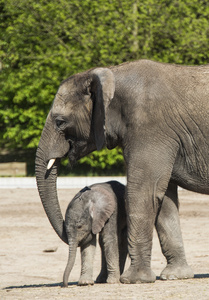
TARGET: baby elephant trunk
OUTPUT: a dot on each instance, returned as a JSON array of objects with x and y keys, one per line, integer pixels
[{"x": 70, "y": 263}]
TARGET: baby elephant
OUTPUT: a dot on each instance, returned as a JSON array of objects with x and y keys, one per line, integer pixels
[{"x": 99, "y": 208}]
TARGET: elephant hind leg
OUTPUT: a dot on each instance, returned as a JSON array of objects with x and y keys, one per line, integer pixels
[{"x": 169, "y": 233}]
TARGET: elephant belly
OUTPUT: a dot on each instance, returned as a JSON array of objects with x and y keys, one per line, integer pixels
[{"x": 191, "y": 173}]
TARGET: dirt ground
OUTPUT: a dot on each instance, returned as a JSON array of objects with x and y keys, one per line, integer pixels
[{"x": 33, "y": 259}]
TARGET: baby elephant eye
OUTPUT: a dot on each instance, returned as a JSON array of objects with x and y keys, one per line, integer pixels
[{"x": 79, "y": 226}]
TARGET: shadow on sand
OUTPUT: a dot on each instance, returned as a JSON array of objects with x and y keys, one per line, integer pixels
[
  {"x": 38, "y": 285},
  {"x": 196, "y": 276}
]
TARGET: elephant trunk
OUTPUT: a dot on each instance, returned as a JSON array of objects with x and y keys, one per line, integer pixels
[
  {"x": 46, "y": 182},
  {"x": 70, "y": 263}
]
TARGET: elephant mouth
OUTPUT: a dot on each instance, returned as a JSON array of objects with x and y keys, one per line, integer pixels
[
  {"x": 54, "y": 158},
  {"x": 72, "y": 153},
  {"x": 77, "y": 149}
]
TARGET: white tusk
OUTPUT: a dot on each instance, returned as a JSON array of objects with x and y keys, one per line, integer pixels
[{"x": 50, "y": 163}]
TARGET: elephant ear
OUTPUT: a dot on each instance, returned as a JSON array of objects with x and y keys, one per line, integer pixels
[
  {"x": 101, "y": 207},
  {"x": 103, "y": 88}
]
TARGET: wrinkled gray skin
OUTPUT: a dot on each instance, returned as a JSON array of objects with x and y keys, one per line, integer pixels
[
  {"x": 159, "y": 114},
  {"x": 99, "y": 208}
]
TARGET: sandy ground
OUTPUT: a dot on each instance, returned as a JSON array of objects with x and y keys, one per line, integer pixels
[{"x": 27, "y": 271}]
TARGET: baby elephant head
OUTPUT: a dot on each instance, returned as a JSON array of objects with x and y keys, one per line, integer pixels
[{"x": 88, "y": 212}]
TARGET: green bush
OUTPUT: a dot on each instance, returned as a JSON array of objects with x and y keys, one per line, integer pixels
[
  {"x": 104, "y": 162},
  {"x": 43, "y": 42}
]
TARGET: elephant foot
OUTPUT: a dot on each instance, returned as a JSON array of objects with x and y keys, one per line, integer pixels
[
  {"x": 85, "y": 281},
  {"x": 113, "y": 279},
  {"x": 64, "y": 285},
  {"x": 138, "y": 275},
  {"x": 173, "y": 272}
]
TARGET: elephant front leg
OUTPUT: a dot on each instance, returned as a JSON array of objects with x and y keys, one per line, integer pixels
[
  {"x": 169, "y": 233},
  {"x": 140, "y": 233},
  {"x": 87, "y": 260},
  {"x": 149, "y": 171},
  {"x": 146, "y": 186}
]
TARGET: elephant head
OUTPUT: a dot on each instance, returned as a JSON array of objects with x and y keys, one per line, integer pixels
[
  {"x": 85, "y": 216},
  {"x": 75, "y": 126}
]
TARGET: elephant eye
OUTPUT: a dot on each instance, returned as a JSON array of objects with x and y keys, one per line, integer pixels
[
  {"x": 60, "y": 123},
  {"x": 79, "y": 226}
]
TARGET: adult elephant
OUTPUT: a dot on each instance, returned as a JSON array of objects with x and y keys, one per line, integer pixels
[{"x": 159, "y": 114}]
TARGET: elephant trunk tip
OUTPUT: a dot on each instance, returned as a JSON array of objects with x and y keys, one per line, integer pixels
[
  {"x": 65, "y": 284},
  {"x": 65, "y": 280}
]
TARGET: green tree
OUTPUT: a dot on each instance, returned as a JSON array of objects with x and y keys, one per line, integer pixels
[{"x": 43, "y": 42}]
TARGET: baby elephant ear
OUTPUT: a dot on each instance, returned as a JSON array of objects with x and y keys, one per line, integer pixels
[{"x": 102, "y": 206}]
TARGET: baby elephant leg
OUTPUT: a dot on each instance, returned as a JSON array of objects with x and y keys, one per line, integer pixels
[
  {"x": 110, "y": 253},
  {"x": 123, "y": 251},
  {"x": 102, "y": 277},
  {"x": 87, "y": 260}
]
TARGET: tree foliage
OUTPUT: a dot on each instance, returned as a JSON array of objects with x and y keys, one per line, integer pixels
[{"x": 43, "y": 42}]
